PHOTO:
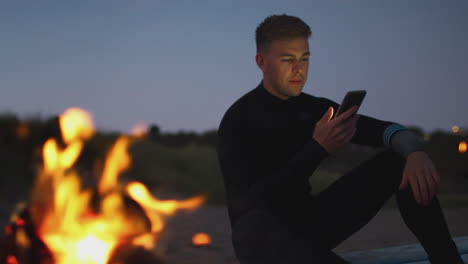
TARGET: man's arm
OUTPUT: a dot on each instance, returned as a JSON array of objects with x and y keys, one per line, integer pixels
[
  {"x": 370, "y": 131},
  {"x": 419, "y": 173}
]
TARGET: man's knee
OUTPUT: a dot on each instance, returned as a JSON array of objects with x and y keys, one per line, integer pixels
[
  {"x": 254, "y": 235},
  {"x": 393, "y": 157}
]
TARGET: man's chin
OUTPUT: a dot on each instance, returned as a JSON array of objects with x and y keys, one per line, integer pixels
[
  {"x": 290, "y": 91},
  {"x": 296, "y": 91}
]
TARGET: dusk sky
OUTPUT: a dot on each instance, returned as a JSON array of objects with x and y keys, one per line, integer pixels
[{"x": 181, "y": 64}]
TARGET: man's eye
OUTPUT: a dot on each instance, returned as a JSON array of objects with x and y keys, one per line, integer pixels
[
  {"x": 305, "y": 59},
  {"x": 287, "y": 60}
]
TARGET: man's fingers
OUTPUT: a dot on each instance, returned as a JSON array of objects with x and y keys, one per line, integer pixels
[
  {"x": 351, "y": 121},
  {"x": 415, "y": 187},
  {"x": 328, "y": 115},
  {"x": 345, "y": 127},
  {"x": 430, "y": 183},
  {"x": 404, "y": 181},
  {"x": 436, "y": 177},
  {"x": 423, "y": 186},
  {"x": 349, "y": 135},
  {"x": 331, "y": 112},
  {"x": 344, "y": 135},
  {"x": 344, "y": 116}
]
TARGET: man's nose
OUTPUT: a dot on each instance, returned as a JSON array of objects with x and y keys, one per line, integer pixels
[{"x": 298, "y": 68}]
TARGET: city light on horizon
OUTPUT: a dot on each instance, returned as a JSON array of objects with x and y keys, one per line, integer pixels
[{"x": 462, "y": 147}]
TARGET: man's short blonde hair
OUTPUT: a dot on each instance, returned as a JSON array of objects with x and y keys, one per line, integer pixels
[{"x": 278, "y": 27}]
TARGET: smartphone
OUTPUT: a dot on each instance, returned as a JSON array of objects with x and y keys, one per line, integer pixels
[{"x": 351, "y": 99}]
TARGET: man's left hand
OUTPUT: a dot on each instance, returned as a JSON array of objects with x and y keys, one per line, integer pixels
[{"x": 422, "y": 176}]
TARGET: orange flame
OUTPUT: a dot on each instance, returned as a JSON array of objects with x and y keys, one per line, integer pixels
[
  {"x": 76, "y": 124},
  {"x": 117, "y": 161},
  {"x": 60, "y": 209},
  {"x": 155, "y": 209}
]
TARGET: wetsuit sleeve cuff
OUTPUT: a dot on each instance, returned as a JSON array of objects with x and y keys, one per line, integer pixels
[
  {"x": 390, "y": 131},
  {"x": 406, "y": 142},
  {"x": 317, "y": 150}
]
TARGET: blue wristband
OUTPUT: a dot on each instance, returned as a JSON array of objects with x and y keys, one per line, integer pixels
[{"x": 390, "y": 131}]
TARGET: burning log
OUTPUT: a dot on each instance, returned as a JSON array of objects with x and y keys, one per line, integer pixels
[{"x": 22, "y": 245}]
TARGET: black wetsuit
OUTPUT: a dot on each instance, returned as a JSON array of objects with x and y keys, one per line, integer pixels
[{"x": 267, "y": 154}]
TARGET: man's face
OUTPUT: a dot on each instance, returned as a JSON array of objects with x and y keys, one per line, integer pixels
[{"x": 285, "y": 65}]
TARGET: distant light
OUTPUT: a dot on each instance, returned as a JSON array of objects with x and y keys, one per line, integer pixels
[
  {"x": 22, "y": 131},
  {"x": 455, "y": 129},
  {"x": 140, "y": 130},
  {"x": 11, "y": 259},
  {"x": 201, "y": 239},
  {"x": 462, "y": 147}
]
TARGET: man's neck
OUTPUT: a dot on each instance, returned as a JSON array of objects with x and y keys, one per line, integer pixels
[{"x": 269, "y": 89}]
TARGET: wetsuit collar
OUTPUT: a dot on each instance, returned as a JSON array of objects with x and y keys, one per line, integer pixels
[{"x": 267, "y": 96}]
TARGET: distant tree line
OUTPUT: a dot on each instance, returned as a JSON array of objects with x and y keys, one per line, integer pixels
[
  {"x": 24, "y": 135},
  {"x": 182, "y": 138},
  {"x": 21, "y": 140}
]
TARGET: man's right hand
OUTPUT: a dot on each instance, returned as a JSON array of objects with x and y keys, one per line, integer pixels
[{"x": 333, "y": 134}]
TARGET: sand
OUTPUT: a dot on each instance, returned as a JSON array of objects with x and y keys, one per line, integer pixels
[{"x": 385, "y": 230}]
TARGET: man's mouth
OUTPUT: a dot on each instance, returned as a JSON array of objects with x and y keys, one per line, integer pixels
[{"x": 295, "y": 81}]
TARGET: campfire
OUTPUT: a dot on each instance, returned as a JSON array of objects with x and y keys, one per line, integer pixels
[{"x": 64, "y": 223}]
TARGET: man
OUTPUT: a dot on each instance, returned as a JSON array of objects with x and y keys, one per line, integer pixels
[{"x": 274, "y": 137}]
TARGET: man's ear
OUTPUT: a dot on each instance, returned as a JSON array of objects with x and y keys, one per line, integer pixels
[{"x": 260, "y": 59}]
